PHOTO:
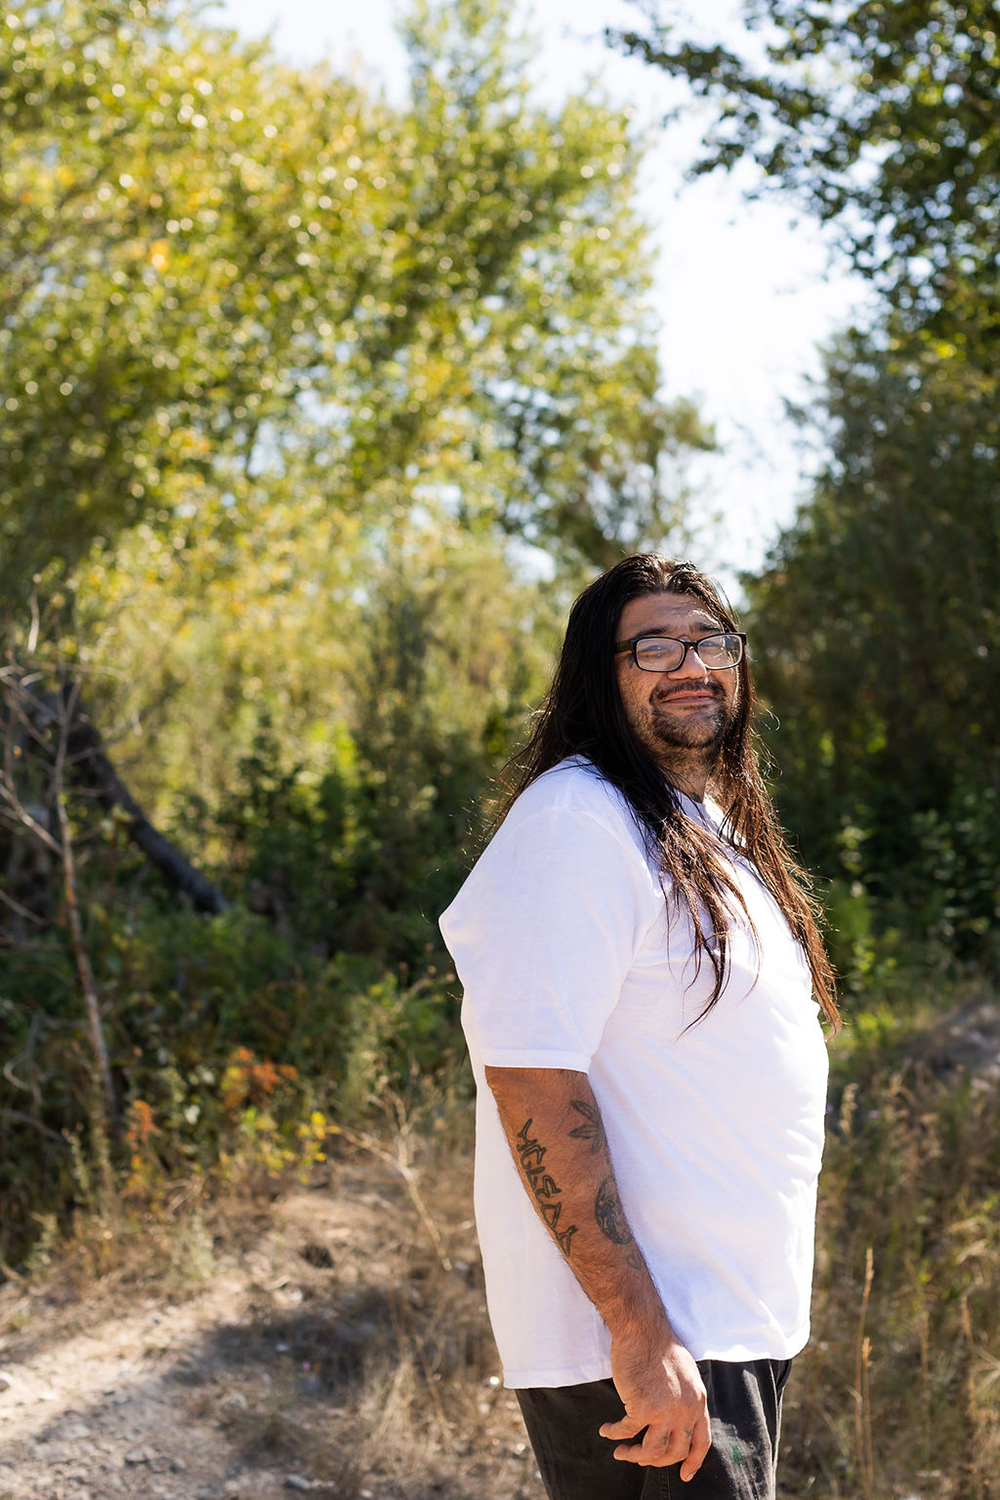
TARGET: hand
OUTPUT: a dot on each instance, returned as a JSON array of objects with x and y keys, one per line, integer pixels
[{"x": 662, "y": 1390}]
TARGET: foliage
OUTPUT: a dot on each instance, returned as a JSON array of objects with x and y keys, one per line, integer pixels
[
  {"x": 876, "y": 625},
  {"x": 228, "y": 282},
  {"x": 285, "y": 367},
  {"x": 875, "y": 616},
  {"x": 878, "y": 117},
  {"x": 228, "y": 1039}
]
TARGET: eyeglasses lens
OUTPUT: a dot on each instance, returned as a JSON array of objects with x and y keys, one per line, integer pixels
[
  {"x": 658, "y": 654},
  {"x": 720, "y": 650},
  {"x": 661, "y": 654}
]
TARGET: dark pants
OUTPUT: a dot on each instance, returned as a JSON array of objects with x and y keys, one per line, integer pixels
[{"x": 576, "y": 1463}]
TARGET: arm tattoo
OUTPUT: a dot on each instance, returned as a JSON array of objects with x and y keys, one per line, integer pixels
[
  {"x": 610, "y": 1215},
  {"x": 531, "y": 1155},
  {"x": 592, "y": 1129}
]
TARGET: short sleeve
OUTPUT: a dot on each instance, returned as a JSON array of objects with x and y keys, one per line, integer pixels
[{"x": 543, "y": 933}]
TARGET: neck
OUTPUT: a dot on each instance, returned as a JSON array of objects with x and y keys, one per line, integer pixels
[{"x": 688, "y": 772}]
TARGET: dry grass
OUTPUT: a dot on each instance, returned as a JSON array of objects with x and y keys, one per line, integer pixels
[
  {"x": 354, "y": 1348},
  {"x": 358, "y": 1350},
  {"x": 899, "y": 1392}
]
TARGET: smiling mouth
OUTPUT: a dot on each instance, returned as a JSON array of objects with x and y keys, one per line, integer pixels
[{"x": 695, "y": 695}]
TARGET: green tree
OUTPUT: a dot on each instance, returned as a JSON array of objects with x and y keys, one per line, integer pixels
[
  {"x": 218, "y": 269},
  {"x": 285, "y": 368},
  {"x": 877, "y": 619},
  {"x": 880, "y": 118},
  {"x": 876, "y": 613}
]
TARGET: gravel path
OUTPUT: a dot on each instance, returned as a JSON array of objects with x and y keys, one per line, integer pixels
[{"x": 260, "y": 1384}]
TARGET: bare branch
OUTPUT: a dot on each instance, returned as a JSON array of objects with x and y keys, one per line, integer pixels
[
  {"x": 22, "y": 911},
  {"x": 83, "y": 965},
  {"x": 23, "y": 1119}
]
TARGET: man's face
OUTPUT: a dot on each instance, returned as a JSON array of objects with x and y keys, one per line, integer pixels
[{"x": 681, "y": 715}]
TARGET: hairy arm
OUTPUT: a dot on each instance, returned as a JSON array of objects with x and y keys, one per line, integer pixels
[{"x": 555, "y": 1131}]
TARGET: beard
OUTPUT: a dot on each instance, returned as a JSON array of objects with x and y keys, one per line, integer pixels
[{"x": 673, "y": 737}]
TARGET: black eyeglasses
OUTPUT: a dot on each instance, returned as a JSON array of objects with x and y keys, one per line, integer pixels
[{"x": 664, "y": 653}]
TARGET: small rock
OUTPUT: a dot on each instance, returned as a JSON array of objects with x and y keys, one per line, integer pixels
[
  {"x": 317, "y": 1255},
  {"x": 177, "y": 1466},
  {"x": 70, "y": 1431},
  {"x": 235, "y": 1401},
  {"x": 139, "y": 1456},
  {"x": 298, "y": 1482},
  {"x": 6, "y": 1380},
  {"x": 58, "y": 1453}
]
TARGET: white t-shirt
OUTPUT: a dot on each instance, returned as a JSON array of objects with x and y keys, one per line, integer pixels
[{"x": 561, "y": 940}]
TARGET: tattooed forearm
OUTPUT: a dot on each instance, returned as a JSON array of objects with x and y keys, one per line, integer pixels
[
  {"x": 531, "y": 1155},
  {"x": 592, "y": 1129},
  {"x": 610, "y": 1215},
  {"x": 552, "y": 1122}
]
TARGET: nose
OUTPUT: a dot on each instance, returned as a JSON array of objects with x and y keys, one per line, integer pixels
[{"x": 692, "y": 665}]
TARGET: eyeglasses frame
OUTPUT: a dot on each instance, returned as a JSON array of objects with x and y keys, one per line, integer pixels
[{"x": 659, "y": 635}]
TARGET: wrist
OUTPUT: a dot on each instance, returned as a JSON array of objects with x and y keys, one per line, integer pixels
[{"x": 637, "y": 1313}]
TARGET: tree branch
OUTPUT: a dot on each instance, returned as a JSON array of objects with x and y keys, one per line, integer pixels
[{"x": 92, "y": 766}]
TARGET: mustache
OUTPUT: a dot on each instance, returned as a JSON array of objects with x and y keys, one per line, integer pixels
[{"x": 706, "y": 687}]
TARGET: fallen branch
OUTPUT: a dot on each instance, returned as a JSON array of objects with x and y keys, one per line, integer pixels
[
  {"x": 91, "y": 763},
  {"x": 89, "y": 766}
]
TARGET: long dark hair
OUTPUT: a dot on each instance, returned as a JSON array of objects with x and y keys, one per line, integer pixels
[{"x": 583, "y": 715}]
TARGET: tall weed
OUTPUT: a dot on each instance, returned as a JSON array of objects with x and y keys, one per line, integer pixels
[{"x": 899, "y": 1391}]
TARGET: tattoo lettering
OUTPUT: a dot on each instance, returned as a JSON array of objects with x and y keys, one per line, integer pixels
[
  {"x": 592, "y": 1129},
  {"x": 531, "y": 1155},
  {"x": 610, "y": 1215}
]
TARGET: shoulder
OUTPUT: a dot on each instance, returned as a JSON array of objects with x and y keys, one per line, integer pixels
[
  {"x": 574, "y": 791},
  {"x": 569, "y": 850}
]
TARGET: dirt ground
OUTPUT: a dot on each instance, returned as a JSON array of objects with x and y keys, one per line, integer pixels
[
  {"x": 333, "y": 1342},
  {"x": 320, "y": 1344}
]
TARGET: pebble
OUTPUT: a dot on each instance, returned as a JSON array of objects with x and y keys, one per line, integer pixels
[
  {"x": 69, "y": 1431},
  {"x": 6, "y": 1380},
  {"x": 298, "y": 1482},
  {"x": 139, "y": 1455}
]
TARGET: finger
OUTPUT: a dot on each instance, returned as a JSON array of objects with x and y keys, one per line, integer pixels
[
  {"x": 638, "y": 1455},
  {"x": 626, "y": 1427},
  {"x": 655, "y": 1450},
  {"x": 701, "y": 1442},
  {"x": 632, "y": 1453},
  {"x": 667, "y": 1447}
]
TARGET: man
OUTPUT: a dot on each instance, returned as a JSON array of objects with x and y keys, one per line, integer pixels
[{"x": 639, "y": 957}]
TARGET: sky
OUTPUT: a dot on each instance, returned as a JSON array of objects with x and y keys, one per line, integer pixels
[{"x": 744, "y": 293}]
